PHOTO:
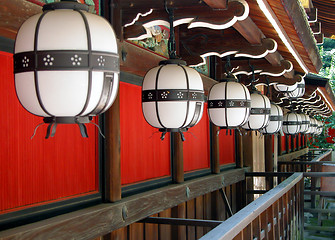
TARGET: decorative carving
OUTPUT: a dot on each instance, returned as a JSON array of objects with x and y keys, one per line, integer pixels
[{"x": 198, "y": 16}]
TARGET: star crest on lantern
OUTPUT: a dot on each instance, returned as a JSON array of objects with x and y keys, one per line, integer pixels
[
  {"x": 150, "y": 95},
  {"x": 76, "y": 60},
  {"x": 220, "y": 104},
  {"x": 101, "y": 61},
  {"x": 48, "y": 60},
  {"x": 180, "y": 95},
  {"x": 211, "y": 104},
  {"x": 25, "y": 61},
  {"x": 231, "y": 103},
  {"x": 194, "y": 95},
  {"x": 164, "y": 94},
  {"x": 242, "y": 104}
]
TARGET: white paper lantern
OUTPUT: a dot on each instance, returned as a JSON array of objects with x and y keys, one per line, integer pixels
[
  {"x": 172, "y": 96},
  {"x": 275, "y": 120},
  {"x": 259, "y": 112},
  {"x": 291, "y": 123},
  {"x": 305, "y": 122},
  {"x": 229, "y": 103},
  {"x": 66, "y": 65},
  {"x": 299, "y": 91},
  {"x": 319, "y": 127}
]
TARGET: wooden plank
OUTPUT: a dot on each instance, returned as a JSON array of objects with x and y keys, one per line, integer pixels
[
  {"x": 179, "y": 232},
  {"x": 119, "y": 234},
  {"x": 165, "y": 230},
  {"x": 151, "y": 230},
  {"x": 207, "y": 209},
  {"x": 235, "y": 224},
  {"x": 199, "y": 214},
  {"x": 136, "y": 231},
  {"x": 190, "y": 213},
  {"x": 103, "y": 218}
]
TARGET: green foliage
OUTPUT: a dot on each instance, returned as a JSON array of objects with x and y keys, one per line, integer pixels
[{"x": 320, "y": 141}]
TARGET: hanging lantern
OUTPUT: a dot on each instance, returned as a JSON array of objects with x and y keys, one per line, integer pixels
[
  {"x": 299, "y": 91},
  {"x": 319, "y": 127},
  {"x": 172, "y": 96},
  {"x": 291, "y": 123},
  {"x": 66, "y": 65},
  {"x": 229, "y": 103},
  {"x": 305, "y": 122},
  {"x": 172, "y": 93},
  {"x": 275, "y": 120},
  {"x": 259, "y": 113}
]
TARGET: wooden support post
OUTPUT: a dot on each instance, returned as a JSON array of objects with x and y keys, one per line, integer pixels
[
  {"x": 287, "y": 148},
  {"x": 269, "y": 160},
  {"x": 215, "y": 149},
  {"x": 113, "y": 150},
  {"x": 239, "y": 150},
  {"x": 177, "y": 158},
  {"x": 248, "y": 153},
  {"x": 179, "y": 232},
  {"x": 279, "y": 139}
]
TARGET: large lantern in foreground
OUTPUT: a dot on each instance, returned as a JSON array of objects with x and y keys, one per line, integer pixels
[
  {"x": 172, "y": 96},
  {"x": 275, "y": 120},
  {"x": 291, "y": 123},
  {"x": 66, "y": 65},
  {"x": 229, "y": 103},
  {"x": 259, "y": 113}
]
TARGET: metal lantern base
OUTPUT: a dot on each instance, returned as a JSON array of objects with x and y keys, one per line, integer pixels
[{"x": 54, "y": 121}]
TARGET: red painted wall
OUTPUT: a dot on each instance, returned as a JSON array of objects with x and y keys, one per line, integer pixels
[
  {"x": 39, "y": 171},
  {"x": 227, "y": 147},
  {"x": 143, "y": 155},
  {"x": 283, "y": 142},
  {"x": 196, "y": 146}
]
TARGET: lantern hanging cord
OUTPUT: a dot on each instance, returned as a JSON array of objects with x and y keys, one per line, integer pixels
[
  {"x": 268, "y": 86},
  {"x": 253, "y": 76},
  {"x": 172, "y": 40},
  {"x": 228, "y": 66}
]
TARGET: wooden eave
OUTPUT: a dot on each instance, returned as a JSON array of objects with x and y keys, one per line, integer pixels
[
  {"x": 326, "y": 15},
  {"x": 297, "y": 29}
]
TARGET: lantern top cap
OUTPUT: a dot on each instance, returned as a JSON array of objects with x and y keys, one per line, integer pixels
[
  {"x": 173, "y": 61},
  {"x": 229, "y": 78},
  {"x": 65, "y": 4}
]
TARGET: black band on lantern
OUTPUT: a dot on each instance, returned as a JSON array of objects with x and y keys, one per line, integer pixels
[
  {"x": 237, "y": 103},
  {"x": 276, "y": 118},
  {"x": 260, "y": 111},
  {"x": 172, "y": 95},
  {"x": 68, "y": 4},
  {"x": 57, "y": 60},
  {"x": 291, "y": 123}
]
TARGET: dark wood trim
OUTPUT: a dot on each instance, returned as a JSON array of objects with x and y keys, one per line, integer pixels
[
  {"x": 269, "y": 159},
  {"x": 101, "y": 219},
  {"x": 215, "y": 149},
  {"x": 6, "y": 45},
  {"x": 179, "y": 221}
]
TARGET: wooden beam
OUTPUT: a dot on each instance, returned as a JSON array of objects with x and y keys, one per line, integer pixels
[
  {"x": 316, "y": 27},
  {"x": 217, "y": 4},
  {"x": 293, "y": 155},
  {"x": 98, "y": 220}
]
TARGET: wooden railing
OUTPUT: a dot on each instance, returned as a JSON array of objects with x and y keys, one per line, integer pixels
[{"x": 277, "y": 214}]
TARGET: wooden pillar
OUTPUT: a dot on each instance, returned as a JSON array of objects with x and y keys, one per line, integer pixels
[
  {"x": 177, "y": 158},
  {"x": 248, "y": 161},
  {"x": 215, "y": 149},
  {"x": 279, "y": 140},
  {"x": 287, "y": 138},
  {"x": 239, "y": 150},
  {"x": 113, "y": 150},
  {"x": 269, "y": 160}
]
